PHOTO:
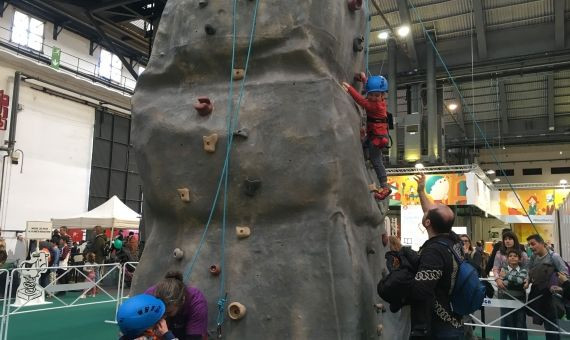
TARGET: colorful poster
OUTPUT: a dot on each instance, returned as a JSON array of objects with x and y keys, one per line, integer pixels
[
  {"x": 539, "y": 204},
  {"x": 524, "y": 230},
  {"x": 441, "y": 188}
]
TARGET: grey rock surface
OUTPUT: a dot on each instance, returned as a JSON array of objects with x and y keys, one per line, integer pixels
[{"x": 304, "y": 272}]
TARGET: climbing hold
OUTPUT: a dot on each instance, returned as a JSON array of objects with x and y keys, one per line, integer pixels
[
  {"x": 204, "y": 106},
  {"x": 239, "y": 73},
  {"x": 358, "y": 77},
  {"x": 379, "y": 307},
  {"x": 178, "y": 254},
  {"x": 243, "y": 232},
  {"x": 251, "y": 185},
  {"x": 184, "y": 194},
  {"x": 215, "y": 270},
  {"x": 244, "y": 133},
  {"x": 357, "y": 44},
  {"x": 203, "y": 3},
  {"x": 210, "y": 30},
  {"x": 379, "y": 329},
  {"x": 236, "y": 310},
  {"x": 354, "y": 5},
  {"x": 210, "y": 142}
]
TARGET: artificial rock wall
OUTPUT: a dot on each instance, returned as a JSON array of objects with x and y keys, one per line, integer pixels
[{"x": 297, "y": 179}]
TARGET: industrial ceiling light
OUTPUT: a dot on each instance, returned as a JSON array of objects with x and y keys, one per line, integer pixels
[
  {"x": 419, "y": 166},
  {"x": 563, "y": 182},
  {"x": 496, "y": 180},
  {"x": 403, "y": 31},
  {"x": 383, "y": 35},
  {"x": 490, "y": 172},
  {"x": 452, "y": 106}
]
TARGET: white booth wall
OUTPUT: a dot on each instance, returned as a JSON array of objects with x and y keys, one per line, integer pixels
[{"x": 56, "y": 137}]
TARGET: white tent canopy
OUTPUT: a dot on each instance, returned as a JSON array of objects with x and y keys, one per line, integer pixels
[{"x": 112, "y": 214}]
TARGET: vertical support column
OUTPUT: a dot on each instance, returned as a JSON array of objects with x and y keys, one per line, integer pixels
[
  {"x": 393, "y": 98},
  {"x": 550, "y": 105},
  {"x": 432, "y": 129},
  {"x": 415, "y": 98}
]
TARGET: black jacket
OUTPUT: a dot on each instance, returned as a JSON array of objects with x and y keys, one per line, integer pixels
[
  {"x": 395, "y": 287},
  {"x": 430, "y": 293}
]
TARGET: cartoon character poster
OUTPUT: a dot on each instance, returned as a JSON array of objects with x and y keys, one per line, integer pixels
[
  {"x": 441, "y": 188},
  {"x": 538, "y": 204}
]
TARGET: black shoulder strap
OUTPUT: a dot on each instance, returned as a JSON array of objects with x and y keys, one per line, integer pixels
[{"x": 457, "y": 258}]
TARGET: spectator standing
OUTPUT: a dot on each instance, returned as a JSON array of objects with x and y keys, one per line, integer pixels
[
  {"x": 99, "y": 245},
  {"x": 510, "y": 242},
  {"x": 432, "y": 317},
  {"x": 63, "y": 232},
  {"x": 541, "y": 267},
  {"x": 473, "y": 255},
  {"x": 513, "y": 276}
]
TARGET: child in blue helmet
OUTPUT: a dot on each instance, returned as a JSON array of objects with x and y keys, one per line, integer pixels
[
  {"x": 142, "y": 318},
  {"x": 377, "y": 137}
]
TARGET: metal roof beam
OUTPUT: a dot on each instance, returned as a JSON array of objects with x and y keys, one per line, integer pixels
[
  {"x": 111, "y": 46},
  {"x": 405, "y": 19},
  {"x": 503, "y": 107},
  {"x": 480, "y": 28},
  {"x": 559, "y": 24},
  {"x": 112, "y": 4}
]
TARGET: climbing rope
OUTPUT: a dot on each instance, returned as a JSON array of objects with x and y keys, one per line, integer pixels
[
  {"x": 368, "y": 16},
  {"x": 231, "y": 120},
  {"x": 470, "y": 111},
  {"x": 231, "y": 127}
]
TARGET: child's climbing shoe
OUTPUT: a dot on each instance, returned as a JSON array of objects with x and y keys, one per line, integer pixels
[{"x": 382, "y": 194}]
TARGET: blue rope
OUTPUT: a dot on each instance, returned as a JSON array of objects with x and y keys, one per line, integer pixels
[
  {"x": 366, "y": 36},
  {"x": 472, "y": 115},
  {"x": 231, "y": 127}
]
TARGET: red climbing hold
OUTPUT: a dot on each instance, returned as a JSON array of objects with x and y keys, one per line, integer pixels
[
  {"x": 354, "y": 5},
  {"x": 204, "y": 106},
  {"x": 382, "y": 194}
]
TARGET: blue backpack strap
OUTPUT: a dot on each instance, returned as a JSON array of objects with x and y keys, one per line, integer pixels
[{"x": 457, "y": 258}]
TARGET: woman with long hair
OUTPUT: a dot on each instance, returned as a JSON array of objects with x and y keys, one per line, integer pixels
[
  {"x": 510, "y": 271},
  {"x": 186, "y": 307},
  {"x": 473, "y": 255}
]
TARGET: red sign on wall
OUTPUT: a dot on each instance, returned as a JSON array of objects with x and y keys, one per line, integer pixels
[{"x": 4, "y": 104}]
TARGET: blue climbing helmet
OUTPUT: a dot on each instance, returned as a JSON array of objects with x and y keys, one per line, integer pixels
[
  {"x": 138, "y": 313},
  {"x": 376, "y": 84}
]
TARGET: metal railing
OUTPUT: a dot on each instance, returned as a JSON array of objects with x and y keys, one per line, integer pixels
[
  {"x": 105, "y": 271},
  {"x": 515, "y": 304},
  {"x": 69, "y": 63}
]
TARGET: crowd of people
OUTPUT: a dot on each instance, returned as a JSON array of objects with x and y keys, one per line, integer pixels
[
  {"x": 425, "y": 280},
  {"x": 62, "y": 252}
]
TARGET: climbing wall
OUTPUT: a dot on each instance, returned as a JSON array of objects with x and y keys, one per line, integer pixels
[{"x": 303, "y": 252}]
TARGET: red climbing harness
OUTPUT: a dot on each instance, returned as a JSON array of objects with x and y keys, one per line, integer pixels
[{"x": 377, "y": 129}]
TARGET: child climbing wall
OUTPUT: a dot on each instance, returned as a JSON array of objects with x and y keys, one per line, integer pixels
[{"x": 377, "y": 137}]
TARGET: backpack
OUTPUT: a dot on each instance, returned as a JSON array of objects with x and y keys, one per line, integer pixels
[{"x": 468, "y": 292}]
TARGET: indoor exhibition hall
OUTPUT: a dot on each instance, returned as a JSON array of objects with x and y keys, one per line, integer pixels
[{"x": 285, "y": 169}]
